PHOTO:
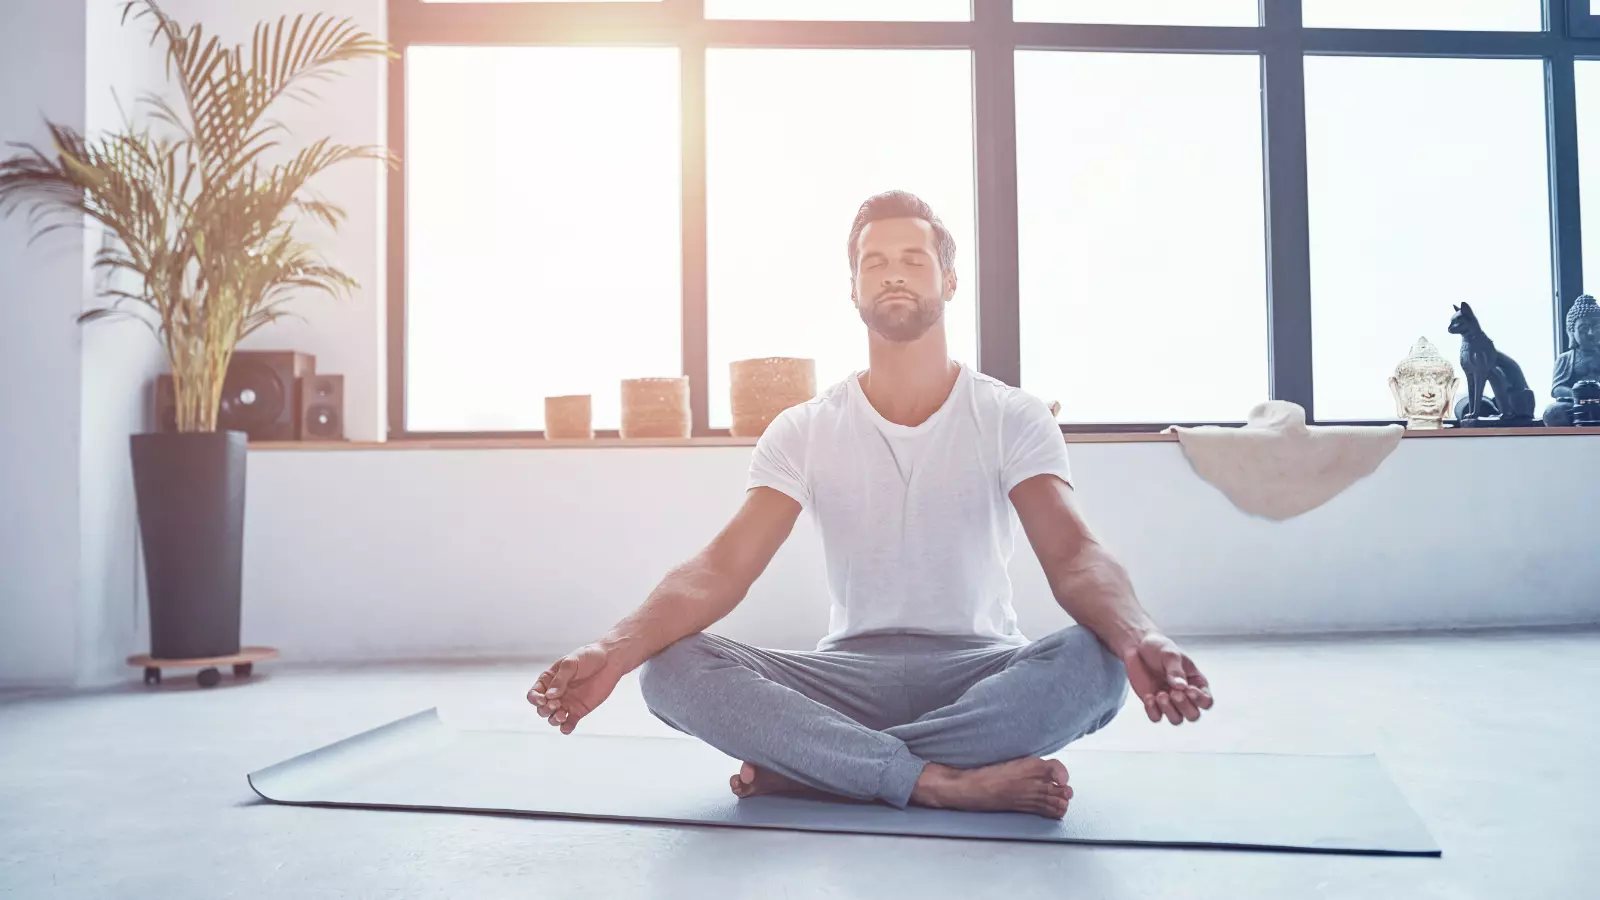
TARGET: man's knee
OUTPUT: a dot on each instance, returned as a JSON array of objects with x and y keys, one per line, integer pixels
[
  {"x": 1093, "y": 674},
  {"x": 663, "y": 676}
]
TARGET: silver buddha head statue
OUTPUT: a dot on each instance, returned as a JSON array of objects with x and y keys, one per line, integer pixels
[{"x": 1424, "y": 385}]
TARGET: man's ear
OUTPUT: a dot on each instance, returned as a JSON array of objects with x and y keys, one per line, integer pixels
[{"x": 950, "y": 282}]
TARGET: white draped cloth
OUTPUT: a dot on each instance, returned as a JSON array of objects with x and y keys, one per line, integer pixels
[{"x": 1278, "y": 467}]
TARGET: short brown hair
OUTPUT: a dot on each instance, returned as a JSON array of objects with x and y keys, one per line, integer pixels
[{"x": 901, "y": 205}]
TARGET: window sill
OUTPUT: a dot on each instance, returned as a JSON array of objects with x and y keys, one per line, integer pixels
[
  {"x": 1143, "y": 437},
  {"x": 468, "y": 443}
]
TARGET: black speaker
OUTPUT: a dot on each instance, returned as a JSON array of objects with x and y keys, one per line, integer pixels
[
  {"x": 322, "y": 408},
  {"x": 261, "y": 393}
]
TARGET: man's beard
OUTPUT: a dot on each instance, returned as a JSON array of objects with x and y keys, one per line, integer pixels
[{"x": 902, "y": 322}]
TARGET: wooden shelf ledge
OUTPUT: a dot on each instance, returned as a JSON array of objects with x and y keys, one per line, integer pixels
[{"x": 662, "y": 443}]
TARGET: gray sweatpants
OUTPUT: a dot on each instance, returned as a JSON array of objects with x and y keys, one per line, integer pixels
[{"x": 863, "y": 718}]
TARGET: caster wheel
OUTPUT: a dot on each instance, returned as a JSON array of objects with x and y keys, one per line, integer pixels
[
  {"x": 152, "y": 675},
  {"x": 242, "y": 670},
  {"x": 208, "y": 677}
]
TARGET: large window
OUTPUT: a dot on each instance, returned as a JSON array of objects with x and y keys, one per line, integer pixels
[
  {"x": 1138, "y": 12},
  {"x": 1143, "y": 286},
  {"x": 1428, "y": 186},
  {"x": 1166, "y": 210},
  {"x": 834, "y": 10},
  {"x": 1475, "y": 15},
  {"x": 543, "y": 224},
  {"x": 793, "y": 146},
  {"x": 1588, "y": 78}
]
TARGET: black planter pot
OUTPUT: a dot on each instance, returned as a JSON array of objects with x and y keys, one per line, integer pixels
[{"x": 190, "y": 490}]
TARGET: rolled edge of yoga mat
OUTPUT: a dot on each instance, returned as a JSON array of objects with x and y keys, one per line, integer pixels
[{"x": 297, "y": 779}]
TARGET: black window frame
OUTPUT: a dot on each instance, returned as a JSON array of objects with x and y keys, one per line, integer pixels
[
  {"x": 1583, "y": 18},
  {"x": 1281, "y": 42}
]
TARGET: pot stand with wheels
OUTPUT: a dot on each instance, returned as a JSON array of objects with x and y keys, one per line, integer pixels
[{"x": 243, "y": 665}]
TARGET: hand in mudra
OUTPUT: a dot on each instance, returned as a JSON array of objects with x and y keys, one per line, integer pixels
[
  {"x": 574, "y": 685},
  {"x": 1166, "y": 680}
]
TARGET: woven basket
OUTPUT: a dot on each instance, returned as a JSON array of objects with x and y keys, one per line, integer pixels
[
  {"x": 567, "y": 418},
  {"x": 762, "y": 388},
  {"x": 655, "y": 407}
]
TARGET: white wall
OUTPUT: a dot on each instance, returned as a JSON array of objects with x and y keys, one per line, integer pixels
[
  {"x": 355, "y": 555},
  {"x": 119, "y": 359},
  {"x": 70, "y": 526},
  {"x": 41, "y": 74}
]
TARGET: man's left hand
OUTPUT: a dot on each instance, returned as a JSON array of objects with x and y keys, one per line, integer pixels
[{"x": 1166, "y": 680}]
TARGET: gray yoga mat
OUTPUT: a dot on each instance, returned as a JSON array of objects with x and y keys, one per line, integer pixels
[{"x": 1328, "y": 804}]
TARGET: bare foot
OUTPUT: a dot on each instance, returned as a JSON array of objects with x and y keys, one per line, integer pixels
[
  {"x": 1029, "y": 785},
  {"x": 752, "y": 781}
]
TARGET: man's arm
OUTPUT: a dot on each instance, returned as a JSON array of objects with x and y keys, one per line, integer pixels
[
  {"x": 1086, "y": 580},
  {"x": 1095, "y": 590},
  {"x": 690, "y": 598},
  {"x": 705, "y": 589}
]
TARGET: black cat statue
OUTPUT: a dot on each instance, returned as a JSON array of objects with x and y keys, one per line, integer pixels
[{"x": 1514, "y": 403}]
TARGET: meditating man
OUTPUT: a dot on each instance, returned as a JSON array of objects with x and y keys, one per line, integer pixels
[{"x": 924, "y": 691}]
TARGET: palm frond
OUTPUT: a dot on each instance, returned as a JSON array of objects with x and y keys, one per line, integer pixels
[
  {"x": 102, "y": 313},
  {"x": 227, "y": 92},
  {"x": 317, "y": 208},
  {"x": 202, "y": 230}
]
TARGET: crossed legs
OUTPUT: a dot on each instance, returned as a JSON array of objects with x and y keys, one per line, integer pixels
[{"x": 847, "y": 723}]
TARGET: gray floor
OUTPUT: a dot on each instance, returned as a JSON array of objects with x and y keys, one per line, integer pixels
[{"x": 139, "y": 793}]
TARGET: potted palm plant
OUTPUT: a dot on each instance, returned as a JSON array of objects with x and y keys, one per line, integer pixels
[{"x": 206, "y": 252}]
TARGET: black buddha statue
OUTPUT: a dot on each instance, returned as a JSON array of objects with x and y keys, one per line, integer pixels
[{"x": 1581, "y": 362}]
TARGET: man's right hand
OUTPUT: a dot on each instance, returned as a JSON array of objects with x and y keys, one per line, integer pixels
[{"x": 574, "y": 685}]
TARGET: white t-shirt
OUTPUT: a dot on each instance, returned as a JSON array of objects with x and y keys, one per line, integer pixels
[{"x": 916, "y": 522}]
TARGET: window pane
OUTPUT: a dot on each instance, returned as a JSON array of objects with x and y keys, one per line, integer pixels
[
  {"x": 1138, "y": 12},
  {"x": 1142, "y": 235},
  {"x": 543, "y": 248},
  {"x": 1588, "y": 74},
  {"x": 792, "y": 151},
  {"x": 846, "y": 10},
  {"x": 1443, "y": 15},
  {"x": 1418, "y": 205}
]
